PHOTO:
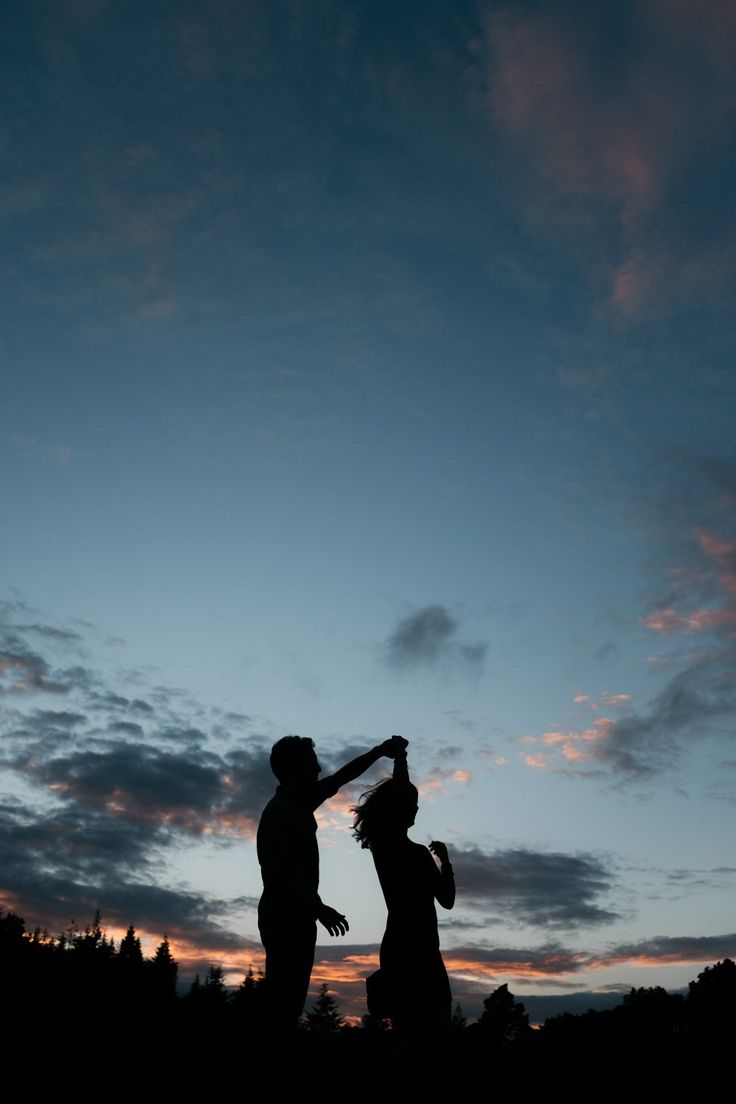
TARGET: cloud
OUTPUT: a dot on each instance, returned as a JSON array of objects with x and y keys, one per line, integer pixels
[
  {"x": 671, "y": 950},
  {"x": 23, "y": 671},
  {"x": 52, "y": 632},
  {"x": 66, "y": 864},
  {"x": 553, "y": 960},
  {"x": 615, "y": 700},
  {"x": 611, "y": 141},
  {"x": 687, "y": 881},
  {"x": 544, "y": 90},
  {"x": 547, "y": 961},
  {"x": 422, "y": 637},
  {"x": 428, "y": 638},
  {"x": 134, "y": 782},
  {"x": 62, "y": 454},
  {"x": 689, "y": 708},
  {"x": 575, "y": 746},
  {"x": 438, "y": 779},
  {"x": 116, "y": 783},
  {"x": 190, "y": 790},
  {"x": 698, "y": 606},
  {"x": 545, "y": 889},
  {"x": 476, "y": 969}
]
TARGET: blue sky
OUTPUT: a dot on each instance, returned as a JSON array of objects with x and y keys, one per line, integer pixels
[{"x": 367, "y": 371}]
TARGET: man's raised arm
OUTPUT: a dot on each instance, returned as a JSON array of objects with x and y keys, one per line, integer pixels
[{"x": 356, "y": 767}]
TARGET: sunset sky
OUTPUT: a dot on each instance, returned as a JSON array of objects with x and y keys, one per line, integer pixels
[{"x": 368, "y": 368}]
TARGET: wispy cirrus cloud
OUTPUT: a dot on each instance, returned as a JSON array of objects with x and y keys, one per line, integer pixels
[
  {"x": 545, "y": 90},
  {"x": 696, "y": 608},
  {"x": 610, "y": 135},
  {"x": 31, "y": 446}
]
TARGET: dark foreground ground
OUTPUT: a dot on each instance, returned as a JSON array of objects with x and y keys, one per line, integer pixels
[{"x": 92, "y": 1061}]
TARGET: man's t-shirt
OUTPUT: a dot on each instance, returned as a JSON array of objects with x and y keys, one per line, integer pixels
[{"x": 288, "y": 852}]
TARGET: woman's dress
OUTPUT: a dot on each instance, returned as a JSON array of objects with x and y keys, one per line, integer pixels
[{"x": 413, "y": 973}]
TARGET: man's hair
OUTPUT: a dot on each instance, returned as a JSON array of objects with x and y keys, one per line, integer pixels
[{"x": 288, "y": 753}]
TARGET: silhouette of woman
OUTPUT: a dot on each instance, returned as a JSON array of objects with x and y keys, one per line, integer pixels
[{"x": 412, "y": 986}]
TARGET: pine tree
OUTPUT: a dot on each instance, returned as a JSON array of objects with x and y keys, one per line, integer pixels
[
  {"x": 458, "y": 1021},
  {"x": 163, "y": 970},
  {"x": 129, "y": 951},
  {"x": 214, "y": 994},
  {"x": 246, "y": 1000},
  {"x": 248, "y": 984},
  {"x": 215, "y": 980},
  {"x": 324, "y": 1017},
  {"x": 91, "y": 939}
]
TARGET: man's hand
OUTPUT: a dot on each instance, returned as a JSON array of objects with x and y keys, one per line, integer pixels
[
  {"x": 393, "y": 747},
  {"x": 440, "y": 850},
  {"x": 333, "y": 920}
]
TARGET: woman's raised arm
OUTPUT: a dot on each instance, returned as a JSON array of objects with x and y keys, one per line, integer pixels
[{"x": 401, "y": 767}]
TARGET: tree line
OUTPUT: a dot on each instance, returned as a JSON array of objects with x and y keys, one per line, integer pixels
[{"x": 69, "y": 989}]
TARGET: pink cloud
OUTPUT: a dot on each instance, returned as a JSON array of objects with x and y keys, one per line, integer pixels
[
  {"x": 650, "y": 274},
  {"x": 716, "y": 546},
  {"x": 723, "y": 553},
  {"x": 664, "y": 621},
  {"x": 669, "y": 620},
  {"x": 635, "y": 281},
  {"x": 587, "y": 138},
  {"x": 438, "y": 780},
  {"x": 608, "y": 148},
  {"x": 537, "y": 762},
  {"x": 535, "y": 965},
  {"x": 571, "y": 747},
  {"x": 614, "y": 700},
  {"x": 706, "y": 27}
]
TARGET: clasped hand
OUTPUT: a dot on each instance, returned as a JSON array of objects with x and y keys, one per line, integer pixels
[{"x": 393, "y": 747}]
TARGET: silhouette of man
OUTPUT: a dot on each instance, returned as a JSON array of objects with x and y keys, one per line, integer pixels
[{"x": 289, "y": 858}]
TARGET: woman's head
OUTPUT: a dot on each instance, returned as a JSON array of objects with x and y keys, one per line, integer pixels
[{"x": 385, "y": 811}]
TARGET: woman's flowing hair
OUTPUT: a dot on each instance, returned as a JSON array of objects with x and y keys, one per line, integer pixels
[{"x": 379, "y": 813}]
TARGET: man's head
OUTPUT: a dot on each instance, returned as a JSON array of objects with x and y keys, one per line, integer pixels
[{"x": 293, "y": 758}]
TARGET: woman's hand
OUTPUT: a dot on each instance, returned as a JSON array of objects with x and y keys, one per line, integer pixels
[
  {"x": 445, "y": 888},
  {"x": 440, "y": 850}
]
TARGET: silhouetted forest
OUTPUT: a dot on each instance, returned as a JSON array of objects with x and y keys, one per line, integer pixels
[{"x": 99, "y": 1021}]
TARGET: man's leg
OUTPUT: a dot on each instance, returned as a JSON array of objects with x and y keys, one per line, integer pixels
[{"x": 289, "y": 944}]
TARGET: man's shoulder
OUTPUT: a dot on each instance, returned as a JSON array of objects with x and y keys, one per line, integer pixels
[{"x": 285, "y": 804}]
